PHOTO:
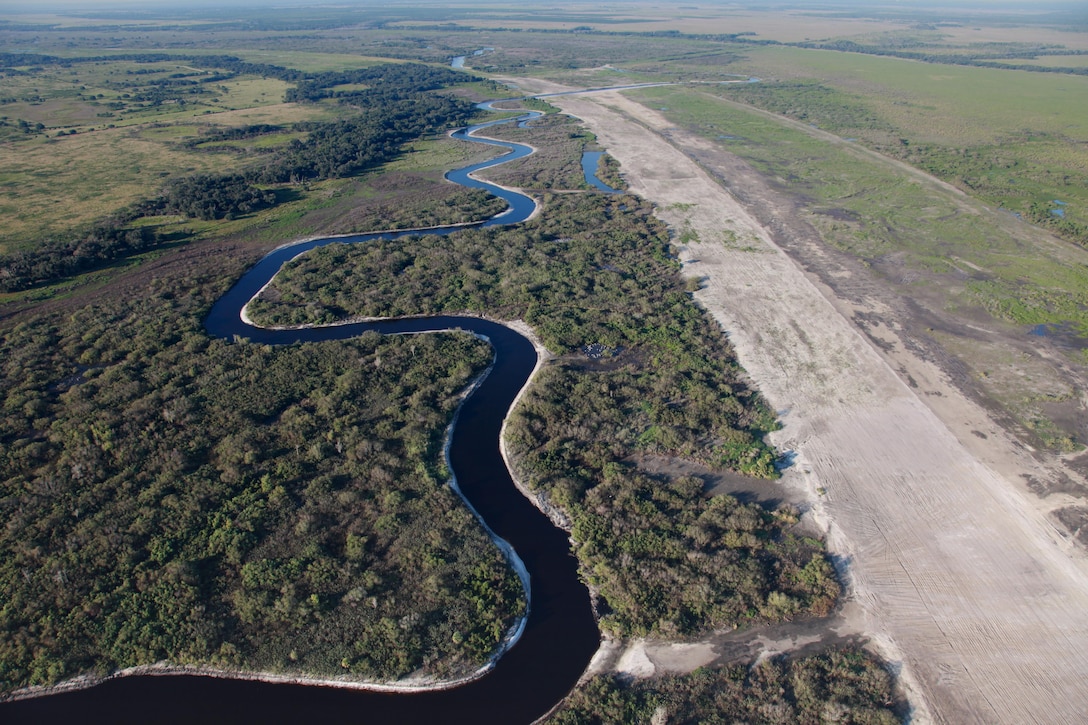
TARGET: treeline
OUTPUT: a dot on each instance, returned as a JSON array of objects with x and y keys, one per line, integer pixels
[
  {"x": 77, "y": 252},
  {"x": 643, "y": 372},
  {"x": 164, "y": 496},
  {"x": 843, "y": 686},
  {"x": 342, "y": 148},
  {"x": 237, "y": 133},
  {"x": 207, "y": 196},
  {"x": 988, "y": 59},
  {"x": 389, "y": 82},
  {"x": 399, "y": 107},
  {"x": 402, "y": 108},
  {"x": 223, "y": 62}
]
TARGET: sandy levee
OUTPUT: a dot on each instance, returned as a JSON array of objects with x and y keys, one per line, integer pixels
[{"x": 961, "y": 579}]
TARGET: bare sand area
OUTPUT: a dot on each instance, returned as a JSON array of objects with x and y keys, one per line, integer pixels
[{"x": 953, "y": 568}]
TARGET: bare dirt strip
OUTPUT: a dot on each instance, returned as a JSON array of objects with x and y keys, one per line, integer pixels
[{"x": 956, "y": 574}]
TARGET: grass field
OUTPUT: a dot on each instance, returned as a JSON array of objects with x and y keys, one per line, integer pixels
[
  {"x": 94, "y": 173},
  {"x": 946, "y": 104},
  {"x": 102, "y": 145},
  {"x": 98, "y": 172},
  {"x": 1011, "y": 138},
  {"x": 901, "y": 214},
  {"x": 956, "y": 256}
]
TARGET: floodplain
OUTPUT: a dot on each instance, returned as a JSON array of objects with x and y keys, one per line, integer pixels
[{"x": 919, "y": 174}]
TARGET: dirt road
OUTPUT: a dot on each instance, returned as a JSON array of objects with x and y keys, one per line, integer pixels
[{"x": 960, "y": 578}]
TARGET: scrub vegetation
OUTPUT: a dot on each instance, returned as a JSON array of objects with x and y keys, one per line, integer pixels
[
  {"x": 165, "y": 496},
  {"x": 641, "y": 371},
  {"x": 559, "y": 142},
  {"x": 842, "y": 686},
  {"x": 170, "y": 497}
]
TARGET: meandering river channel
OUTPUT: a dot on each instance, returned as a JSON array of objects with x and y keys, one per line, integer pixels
[{"x": 560, "y": 634}]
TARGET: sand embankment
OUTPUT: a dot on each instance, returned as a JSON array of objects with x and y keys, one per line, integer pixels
[{"x": 959, "y": 578}]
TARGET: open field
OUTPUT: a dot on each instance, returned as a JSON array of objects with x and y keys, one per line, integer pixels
[
  {"x": 37, "y": 172},
  {"x": 1013, "y": 138},
  {"x": 959, "y": 104}
]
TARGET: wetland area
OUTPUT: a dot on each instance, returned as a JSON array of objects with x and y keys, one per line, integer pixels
[{"x": 803, "y": 432}]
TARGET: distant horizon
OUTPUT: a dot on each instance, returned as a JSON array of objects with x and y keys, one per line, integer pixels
[{"x": 59, "y": 6}]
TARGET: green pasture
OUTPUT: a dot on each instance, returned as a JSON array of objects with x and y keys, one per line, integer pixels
[
  {"x": 1028, "y": 278},
  {"x": 941, "y": 103},
  {"x": 1010, "y": 138},
  {"x": 51, "y": 185}
]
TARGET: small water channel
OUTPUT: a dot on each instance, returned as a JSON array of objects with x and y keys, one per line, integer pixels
[{"x": 590, "y": 161}]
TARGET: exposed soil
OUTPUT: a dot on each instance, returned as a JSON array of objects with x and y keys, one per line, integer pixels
[
  {"x": 745, "y": 489},
  {"x": 960, "y": 577}
]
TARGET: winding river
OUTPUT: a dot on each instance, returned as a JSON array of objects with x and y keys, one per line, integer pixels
[{"x": 560, "y": 634}]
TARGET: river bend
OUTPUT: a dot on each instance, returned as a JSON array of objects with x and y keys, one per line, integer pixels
[{"x": 560, "y": 634}]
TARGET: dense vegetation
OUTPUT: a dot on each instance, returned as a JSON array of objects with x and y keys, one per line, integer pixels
[
  {"x": 167, "y": 496},
  {"x": 608, "y": 171},
  {"x": 643, "y": 372},
  {"x": 557, "y": 164},
  {"x": 77, "y": 251},
  {"x": 398, "y": 108},
  {"x": 846, "y": 686},
  {"x": 204, "y": 196},
  {"x": 387, "y": 83}
]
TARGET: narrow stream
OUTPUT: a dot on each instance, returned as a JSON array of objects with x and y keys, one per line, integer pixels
[{"x": 590, "y": 161}]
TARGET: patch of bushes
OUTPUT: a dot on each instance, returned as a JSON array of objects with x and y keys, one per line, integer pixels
[{"x": 841, "y": 686}]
